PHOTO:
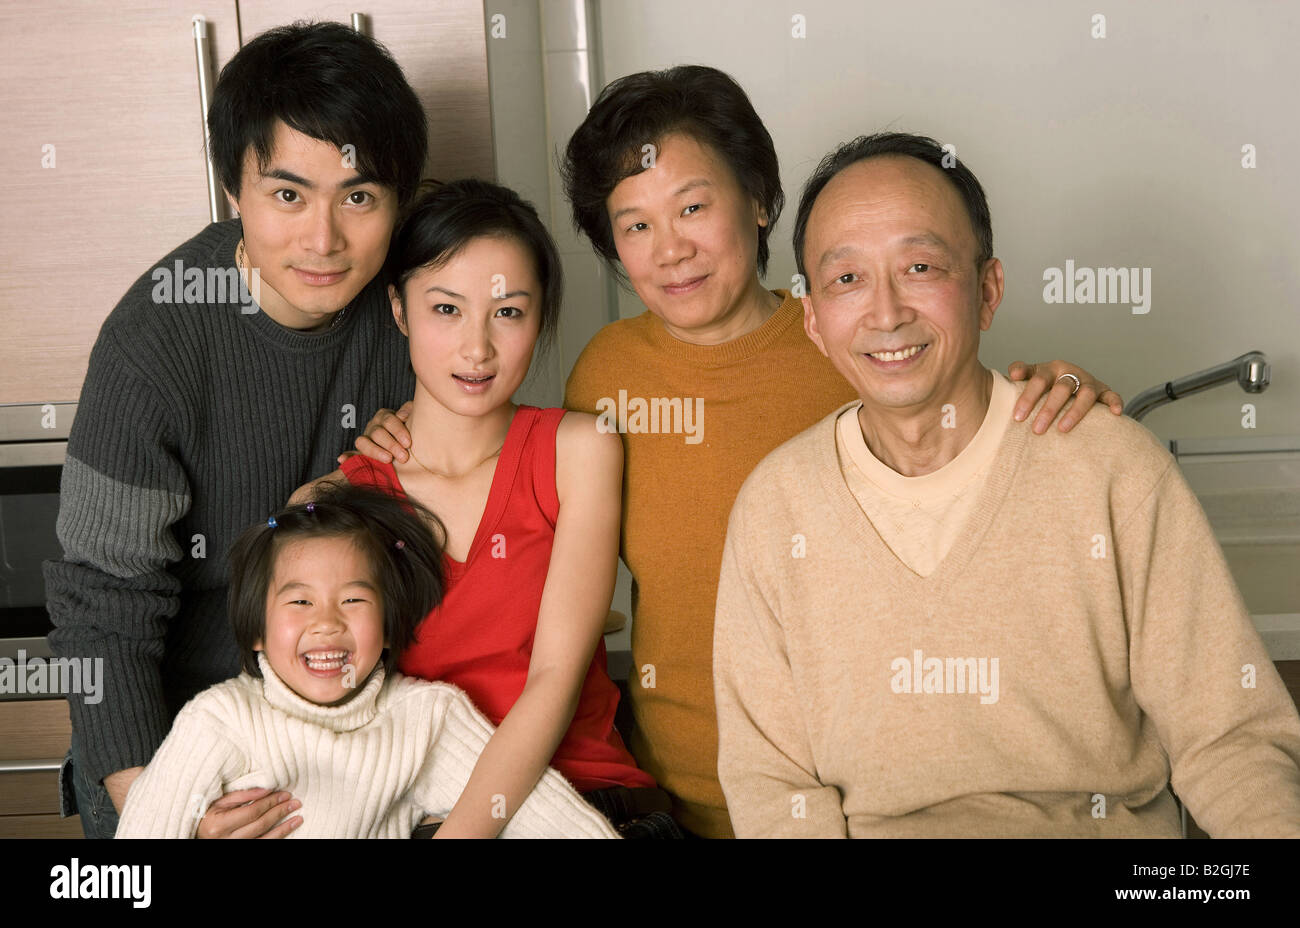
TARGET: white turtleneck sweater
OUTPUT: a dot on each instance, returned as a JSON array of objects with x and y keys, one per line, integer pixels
[{"x": 373, "y": 767}]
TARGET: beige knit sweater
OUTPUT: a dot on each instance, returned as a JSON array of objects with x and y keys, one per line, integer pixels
[
  {"x": 370, "y": 768},
  {"x": 1081, "y": 637}
]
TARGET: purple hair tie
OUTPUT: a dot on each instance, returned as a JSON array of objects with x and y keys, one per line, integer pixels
[{"x": 311, "y": 507}]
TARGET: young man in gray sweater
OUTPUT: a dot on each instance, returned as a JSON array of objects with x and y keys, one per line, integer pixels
[{"x": 232, "y": 372}]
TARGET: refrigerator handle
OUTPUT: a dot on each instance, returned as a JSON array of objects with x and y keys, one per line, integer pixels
[{"x": 203, "y": 57}]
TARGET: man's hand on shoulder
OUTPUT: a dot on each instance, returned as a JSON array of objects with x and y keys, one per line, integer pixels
[{"x": 386, "y": 437}]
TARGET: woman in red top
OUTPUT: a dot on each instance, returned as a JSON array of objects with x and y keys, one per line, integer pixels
[{"x": 530, "y": 499}]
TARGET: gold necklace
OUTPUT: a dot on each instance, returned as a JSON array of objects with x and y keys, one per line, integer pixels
[
  {"x": 241, "y": 256},
  {"x": 437, "y": 473}
]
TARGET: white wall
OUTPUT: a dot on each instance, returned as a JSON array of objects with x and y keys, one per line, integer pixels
[{"x": 1115, "y": 151}]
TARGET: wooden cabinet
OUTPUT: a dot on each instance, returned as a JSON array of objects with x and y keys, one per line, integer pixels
[
  {"x": 104, "y": 170},
  {"x": 33, "y": 734}
]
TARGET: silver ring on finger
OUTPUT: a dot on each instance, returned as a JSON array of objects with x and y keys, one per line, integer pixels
[{"x": 1077, "y": 382}]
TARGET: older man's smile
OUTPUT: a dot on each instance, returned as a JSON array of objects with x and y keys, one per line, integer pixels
[{"x": 892, "y": 360}]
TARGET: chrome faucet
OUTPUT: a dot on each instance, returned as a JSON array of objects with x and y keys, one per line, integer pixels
[{"x": 1251, "y": 371}]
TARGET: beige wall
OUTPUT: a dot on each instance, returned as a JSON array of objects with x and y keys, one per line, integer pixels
[{"x": 1115, "y": 151}]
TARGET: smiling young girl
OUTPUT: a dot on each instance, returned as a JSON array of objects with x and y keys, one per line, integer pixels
[{"x": 323, "y": 597}]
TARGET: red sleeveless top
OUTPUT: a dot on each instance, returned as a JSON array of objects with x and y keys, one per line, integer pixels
[{"x": 480, "y": 637}]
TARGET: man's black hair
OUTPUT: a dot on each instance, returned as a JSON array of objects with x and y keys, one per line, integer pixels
[{"x": 327, "y": 82}]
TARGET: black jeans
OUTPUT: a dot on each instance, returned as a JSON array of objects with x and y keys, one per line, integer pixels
[{"x": 643, "y": 812}]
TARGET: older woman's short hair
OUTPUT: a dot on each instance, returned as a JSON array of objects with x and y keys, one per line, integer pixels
[{"x": 644, "y": 108}]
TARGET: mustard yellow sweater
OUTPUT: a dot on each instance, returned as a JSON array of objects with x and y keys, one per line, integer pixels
[
  {"x": 1081, "y": 638},
  {"x": 684, "y": 465}
]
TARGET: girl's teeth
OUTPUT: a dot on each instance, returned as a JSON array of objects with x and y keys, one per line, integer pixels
[
  {"x": 326, "y": 660},
  {"x": 897, "y": 355}
]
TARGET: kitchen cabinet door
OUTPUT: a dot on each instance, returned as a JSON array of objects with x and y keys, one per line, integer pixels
[
  {"x": 104, "y": 169},
  {"x": 442, "y": 48}
]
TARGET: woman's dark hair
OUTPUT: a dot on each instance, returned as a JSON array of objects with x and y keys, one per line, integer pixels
[
  {"x": 446, "y": 217},
  {"x": 327, "y": 82},
  {"x": 409, "y": 575},
  {"x": 644, "y": 108},
  {"x": 912, "y": 146}
]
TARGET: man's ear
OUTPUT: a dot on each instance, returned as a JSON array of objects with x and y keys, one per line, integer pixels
[
  {"x": 399, "y": 314},
  {"x": 810, "y": 324},
  {"x": 991, "y": 290}
]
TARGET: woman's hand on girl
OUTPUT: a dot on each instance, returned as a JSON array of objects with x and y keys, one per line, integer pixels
[
  {"x": 386, "y": 437},
  {"x": 251, "y": 813},
  {"x": 1045, "y": 377}
]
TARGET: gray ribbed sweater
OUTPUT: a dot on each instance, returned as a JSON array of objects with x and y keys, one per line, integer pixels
[{"x": 195, "y": 421}]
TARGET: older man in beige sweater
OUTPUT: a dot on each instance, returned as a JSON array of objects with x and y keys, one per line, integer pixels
[{"x": 887, "y": 661}]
